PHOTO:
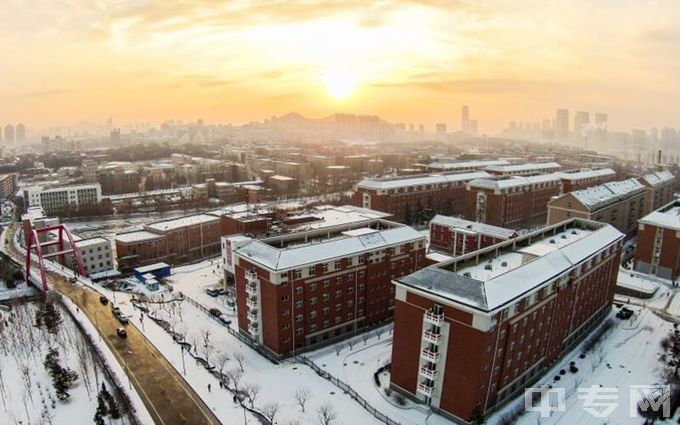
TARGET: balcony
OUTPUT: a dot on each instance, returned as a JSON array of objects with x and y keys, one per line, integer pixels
[
  {"x": 430, "y": 355},
  {"x": 428, "y": 373},
  {"x": 426, "y": 389},
  {"x": 253, "y": 330},
  {"x": 434, "y": 318},
  {"x": 251, "y": 302},
  {"x": 252, "y": 317},
  {"x": 432, "y": 337},
  {"x": 251, "y": 276},
  {"x": 251, "y": 289}
]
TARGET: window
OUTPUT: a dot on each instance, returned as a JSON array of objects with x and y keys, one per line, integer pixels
[
  {"x": 312, "y": 271},
  {"x": 312, "y": 286},
  {"x": 299, "y": 290},
  {"x": 338, "y": 319},
  {"x": 350, "y": 290},
  {"x": 299, "y": 318},
  {"x": 312, "y": 314},
  {"x": 326, "y": 297},
  {"x": 325, "y": 311},
  {"x": 326, "y": 323},
  {"x": 285, "y": 312},
  {"x": 338, "y": 279},
  {"x": 338, "y": 293},
  {"x": 338, "y": 307},
  {"x": 312, "y": 301},
  {"x": 324, "y": 267},
  {"x": 299, "y": 331},
  {"x": 337, "y": 265},
  {"x": 312, "y": 328},
  {"x": 361, "y": 259},
  {"x": 284, "y": 298},
  {"x": 298, "y": 304},
  {"x": 297, "y": 274},
  {"x": 326, "y": 283}
]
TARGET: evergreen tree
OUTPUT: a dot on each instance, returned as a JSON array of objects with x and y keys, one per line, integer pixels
[
  {"x": 62, "y": 378},
  {"x": 101, "y": 405},
  {"x": 98, "y": 417}
]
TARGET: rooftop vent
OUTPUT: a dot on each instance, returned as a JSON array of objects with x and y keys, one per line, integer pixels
[
  {"x": 504, "y": 264},
  {"x": 467, "y": 274},
  {"x": 574, "y": 232},
  {"x": 552, "y": 240},
  {"x": 564, "y": 236},
  {"x": 488, "y": 267}
]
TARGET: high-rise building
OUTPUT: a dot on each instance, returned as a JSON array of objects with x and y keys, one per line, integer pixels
[
  {"x": 21, "y": 133},
  {"x": 441, "y": 128},
  {"x": 421, "y": 128},
  {"x": 561, "y": 124},
  {"x": 9, "y": 133},
  {"x": 465, "y": 119},
  {"x": 581, "y": 122},
  {"x": 600, "y": 127},
  {"x": 474, "y": 127}
]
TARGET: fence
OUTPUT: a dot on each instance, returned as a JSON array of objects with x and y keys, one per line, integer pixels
[
  {"x": 348, "y": 390},
  {"x": 244, "y": 339}
]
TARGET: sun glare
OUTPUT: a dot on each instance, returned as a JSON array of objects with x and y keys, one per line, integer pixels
[{"x": 340, "y": 84}]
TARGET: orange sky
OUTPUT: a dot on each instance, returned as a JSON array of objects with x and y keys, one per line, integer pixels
[{"x": 412, "y": 61}]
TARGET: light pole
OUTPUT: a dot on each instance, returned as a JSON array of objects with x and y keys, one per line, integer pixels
[{"x": 184, "y": 367}]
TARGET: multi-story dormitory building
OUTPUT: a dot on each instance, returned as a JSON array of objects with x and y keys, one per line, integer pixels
[
  {"x": 513, "y": 202},
  {"x": 657, "y": 249},
  {"x": 528, "y": 169},
  {"x": 473, "y": 332},
  {"x": 406, "y": 197},
  {"x": 583, "y": 179},
  {"x": 457, "y": 236},
  {"x": 310, "y": 288},
  {"x": 619, "y": 203},
  {"x": 659, "y": 188}
]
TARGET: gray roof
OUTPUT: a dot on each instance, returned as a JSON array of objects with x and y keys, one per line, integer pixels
[
  {"x": 508, "y": 286},
  {"x": 658, "y": 178},
  {"x": 458, "y": 165},
  {"x": 514, "y": 181},
  {"x": 486, "y": 229},
  {"x": 586, "y": 174},
  {"x": 530, "y": 166},
  {"x": 406, "y": 181},
  {"x": 605, "y": 194}
]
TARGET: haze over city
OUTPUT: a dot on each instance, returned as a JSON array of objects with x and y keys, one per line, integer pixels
[{"x": 407, "y": 61}]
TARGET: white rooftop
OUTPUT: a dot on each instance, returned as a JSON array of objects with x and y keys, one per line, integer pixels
[
  {"x": 514, "y": 181},
  {"x": 658, "y": 178},
  {"x": 406, "y": 181},
  {"x": 530, "y": 166},
  {"x": 457, "y": 165},
  {"x": 178, "y": 223},
  {"x": 141, "y": 235},
  {"x": 492, "y": 284},
  {"x": 485, "y": 229},
  {"x": 605, "y": 194},
  {"x": 586, "y": 174},
  {"x": 667, "y": 217},
  {"x": 344, "y": 245}
]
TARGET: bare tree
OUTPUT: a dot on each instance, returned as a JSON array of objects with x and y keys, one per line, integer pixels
[
  {"x": 302, "y": 395},
  {"x": 269, "y": 410},
  {"x": 365, "y": 336},
  {"x": 28, "y": 384},
  {"x": 235, "y": 376},
  {"x": 240, "y": 359},
  {"x": 327, "y": 414},
  {"x": 221, "y": 362},
  {"x": 207, "y": 347},
  {"x": 338, "y": 349},
  {"x": 251, "y": 390}
]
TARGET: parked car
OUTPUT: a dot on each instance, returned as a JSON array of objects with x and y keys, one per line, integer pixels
[
  {"x": 115, "y": 310},
  {"x": 122, "y": 319},
  {"x": 215, "y": 312},
  {"x": 73, "y": 279},
  {"x": 122, "y": 333},
  {"x": 212, "y": 292},
  {"x": 225, "y": 320},
  {"x": 624, "y": 313},
  {"x": 103, "y": 300}
]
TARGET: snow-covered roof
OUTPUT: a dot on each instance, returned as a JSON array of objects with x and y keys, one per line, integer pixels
[
  {"x": 405, "y": 181},
  {"x": 294, "y": 256},
  {"x": 92, "y": 241},
  {"x": 530, "y": 166},
  {"x": 514, "y": 181},
  {"x": 586, "y": 174},
  {"x": 466, "y": 165},
  {"x": 178, "y": 223},
  {"x": 138, "y": 236},
  {"x": 605, "y": 194},
  {"x": 667, "y": 216},
  {"x": 489, "y": 285},
  {"x": 485, "y": 229},
  {"x": 658, "y": 178}
]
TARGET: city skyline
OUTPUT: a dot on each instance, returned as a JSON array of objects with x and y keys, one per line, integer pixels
[{"x": 405, "y": 61}]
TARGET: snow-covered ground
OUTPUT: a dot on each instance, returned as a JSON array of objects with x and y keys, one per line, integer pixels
[
  {"x": 192, "y": 280},
  {"x": 277, "y": 383},
  {"x": 26, "y": 389}
]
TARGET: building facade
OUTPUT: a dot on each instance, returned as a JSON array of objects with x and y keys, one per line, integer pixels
[
  {"x": 408, "y": 198},
  {"x": 472, "y": 333},
  {"x": 659, "y": 188},
  {"x": 528, "y": 169},
  {"x": 583, "y": 179},
  {"x": 657, "y": 250},
  {"x": 299, "y": 291},
  {"x": 619, "y": 203},
  {"x": 457, "y": 236},
  {"x": 56, "y": 199},
  {"x": 512, "y": 202},
  {"x": 8, "y": 185}
]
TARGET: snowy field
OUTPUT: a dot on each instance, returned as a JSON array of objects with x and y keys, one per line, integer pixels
[
  {"x": 192, "y": 280},
  {"x": 26, "y": 389},
  {"x": 273, "y": 383}
]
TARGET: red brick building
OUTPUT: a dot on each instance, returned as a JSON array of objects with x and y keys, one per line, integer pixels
[
  {"x": 310, "y": 288},
  {"x": 658, "y": 244},
  {"x": 583, "y": 179},
  {"x": 464, "y": 166},
  {"x": 472, "y": 333},
  {"x": 456, "y": 236},
  {"x": 407, "y": 198},
  {"x": 172, "y": 241},
  {"x": 659, "y": 188},
  {"x": 513, "y": 202}
]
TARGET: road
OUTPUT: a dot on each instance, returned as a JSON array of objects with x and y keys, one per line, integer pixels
[{"x": 167, "y": 397}]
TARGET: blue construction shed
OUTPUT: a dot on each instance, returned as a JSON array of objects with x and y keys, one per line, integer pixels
[{"x": 158, "y": 270}]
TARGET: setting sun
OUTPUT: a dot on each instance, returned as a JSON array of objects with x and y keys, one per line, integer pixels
[{"x": 340, "y": 84}]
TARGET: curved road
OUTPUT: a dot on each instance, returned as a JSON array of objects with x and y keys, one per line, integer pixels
[{"x": 166, "y": 395}]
